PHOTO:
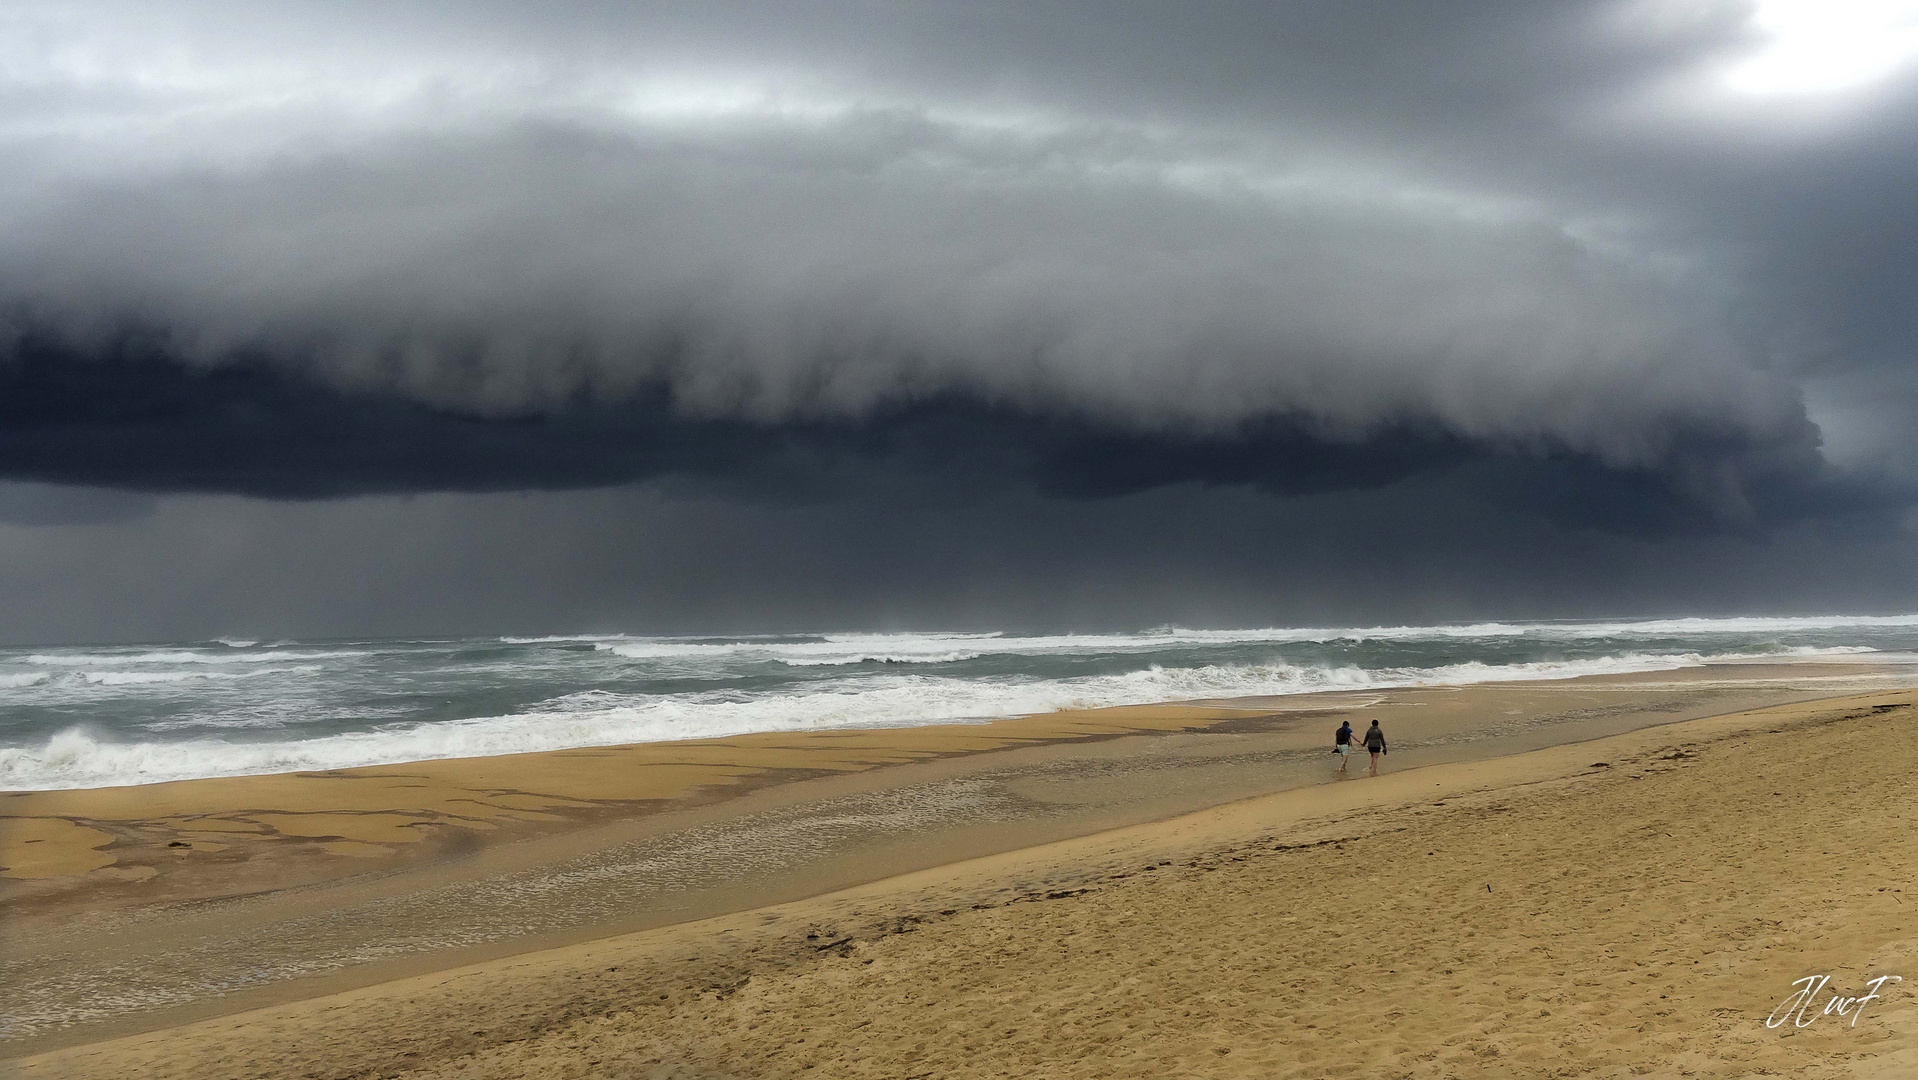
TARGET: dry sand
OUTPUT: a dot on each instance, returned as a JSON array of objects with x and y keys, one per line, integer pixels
[{"x": 1529, "y": 915}]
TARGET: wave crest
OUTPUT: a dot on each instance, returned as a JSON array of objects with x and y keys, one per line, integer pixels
[{"x": 77, "y": 758}]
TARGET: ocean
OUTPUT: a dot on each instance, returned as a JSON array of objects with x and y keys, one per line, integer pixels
[{"x": 91, "y": 716}]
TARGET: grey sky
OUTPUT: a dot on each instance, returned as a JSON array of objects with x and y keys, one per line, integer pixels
[{"x": 1630, "y": 281}]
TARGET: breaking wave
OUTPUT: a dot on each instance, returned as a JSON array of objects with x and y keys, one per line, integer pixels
[
  {"x": 107, "y": 659},
  {"x": 82, "y": 758},
  {"x": 115, "y": 715}
]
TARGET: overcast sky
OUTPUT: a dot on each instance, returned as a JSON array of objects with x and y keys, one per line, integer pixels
[{"x": 370, "y": 318}]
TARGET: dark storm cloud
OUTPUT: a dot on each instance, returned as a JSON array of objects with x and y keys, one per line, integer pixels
[
  {"x": 130, "y": 416},
  {"x": 134, "y": 418},
  {"x": 887, "y": 257},
  {"x": 1086, "y": 248}
]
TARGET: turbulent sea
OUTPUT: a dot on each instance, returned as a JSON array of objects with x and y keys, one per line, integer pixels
[{"x": 96, "y": 716}]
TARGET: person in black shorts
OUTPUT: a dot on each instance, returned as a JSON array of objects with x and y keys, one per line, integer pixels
[
  {"x": 1375, "y": 742},
  {"x": 1342, "y": 744}
]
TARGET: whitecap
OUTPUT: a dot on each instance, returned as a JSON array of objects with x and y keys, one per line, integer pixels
[
  {"x": 95, "y": 660},
  {"x": 905, "y": 698}
]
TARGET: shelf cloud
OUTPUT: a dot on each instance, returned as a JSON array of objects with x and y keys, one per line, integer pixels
[{"x": 1579, "y": 254}]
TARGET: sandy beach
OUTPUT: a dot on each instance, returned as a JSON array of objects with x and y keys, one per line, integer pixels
[
  {"x": 746, "y": 541},
  {"x": 1617, "y": 876}
]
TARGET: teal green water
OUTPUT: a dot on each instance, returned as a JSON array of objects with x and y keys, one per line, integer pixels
[{"x": 93, "y": 716}]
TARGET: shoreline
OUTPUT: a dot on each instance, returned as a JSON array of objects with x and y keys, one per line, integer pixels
[
  {"x": 1690, "y": 667},
  {"x": 721, "y": 980},
  {"x": 61, "y": 841},
  {"x": 747, "y": 823}
]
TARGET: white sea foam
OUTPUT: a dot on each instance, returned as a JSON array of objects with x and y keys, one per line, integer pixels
[
  {"x": 149, "y": 678},
  {"x": 841, "y": 660},
  {"x": 944, "y": 647},
  {"x": 836, "y": 650},
  {"x": 78, "y": 758},
  {"x": 139, "y": 678},
  {"x": 92, "y": 659},
  {"x": 68, "y": 680},
  {"x": 1646, "y": 628},
  {"x": 140, "y": 697},
  {"x": 656, "y": 649},
  {"x": 95, "y": 660},
  {"x": 909, "y": 647}
]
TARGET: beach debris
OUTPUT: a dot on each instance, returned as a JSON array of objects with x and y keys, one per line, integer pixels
[
  {"x": 1312, "y": 843},
  {"x": 1054, "y": 894}
]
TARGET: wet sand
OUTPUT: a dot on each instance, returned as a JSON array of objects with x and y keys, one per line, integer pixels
[{"x": 664, "y": 836}]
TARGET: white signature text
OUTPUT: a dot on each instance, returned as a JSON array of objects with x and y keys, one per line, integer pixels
[{"x": 1797, "y": 1009}]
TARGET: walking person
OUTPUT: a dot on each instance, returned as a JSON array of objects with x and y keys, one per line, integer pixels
[
  {"x": 1342, "y": 745},
  {"x": 1375, "y": 742}
]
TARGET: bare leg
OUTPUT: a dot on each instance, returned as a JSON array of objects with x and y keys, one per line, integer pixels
[
  {"x": 1344, "y": 759},
  {"x": 1375, "y": 764}
]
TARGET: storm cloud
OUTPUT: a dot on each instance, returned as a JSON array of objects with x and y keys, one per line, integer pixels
[{"x": 1636, "y": 268}]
